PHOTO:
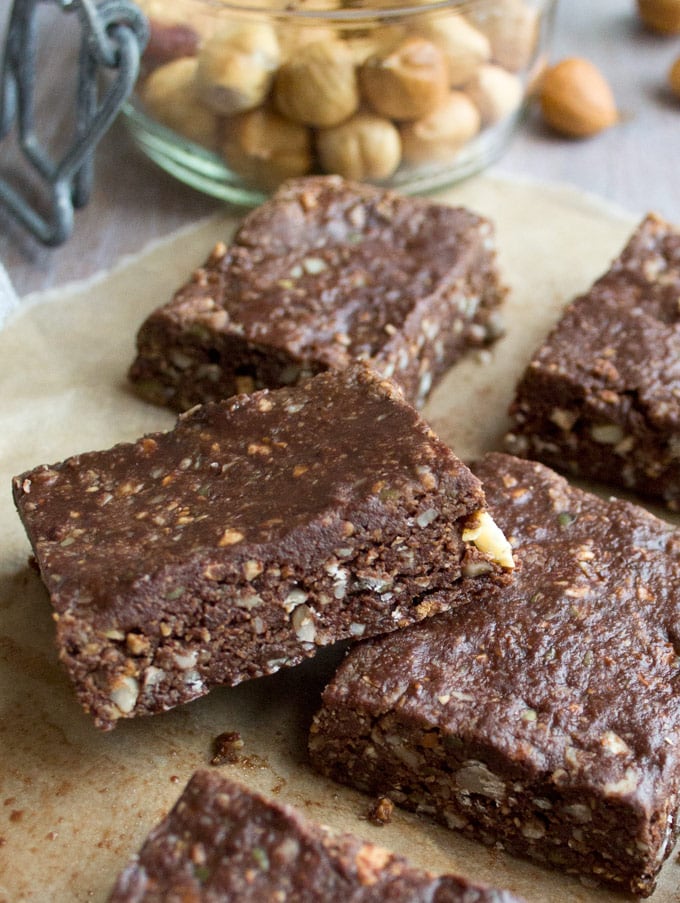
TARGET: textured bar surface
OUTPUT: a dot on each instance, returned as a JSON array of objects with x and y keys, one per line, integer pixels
[
  {"x": 547, "y": 720},
  {"x": 601, "y": 397},
  {"x": 255, "y": 531},
  {"x": 324, "y": 273}
]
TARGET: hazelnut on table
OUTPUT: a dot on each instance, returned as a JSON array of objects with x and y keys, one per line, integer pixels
[
  {"x": 674, "y": 78},
  {"x": 660, "y": 15},
  {"x": 576, "y": 100}
]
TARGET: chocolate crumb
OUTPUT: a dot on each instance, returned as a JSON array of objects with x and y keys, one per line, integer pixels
[
  {"x": 227, "y": 748},
  {"x": 380, "y": 811}
]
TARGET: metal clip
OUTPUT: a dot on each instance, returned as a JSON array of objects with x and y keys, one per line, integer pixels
[{"x": 114, "y": 35}]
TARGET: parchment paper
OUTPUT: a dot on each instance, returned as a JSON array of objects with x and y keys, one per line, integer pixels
[{"x": 75, "y": 803}]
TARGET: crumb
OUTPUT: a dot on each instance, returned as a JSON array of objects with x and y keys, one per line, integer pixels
[
  {"x": 380, "y": 811},
  {"x": 227, "y": 748}
]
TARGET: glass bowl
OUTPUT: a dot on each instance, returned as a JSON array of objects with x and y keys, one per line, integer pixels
[{"x": 233, "y": 99}]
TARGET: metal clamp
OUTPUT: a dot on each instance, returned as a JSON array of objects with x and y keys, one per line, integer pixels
[{"x": 114, "y": 34}]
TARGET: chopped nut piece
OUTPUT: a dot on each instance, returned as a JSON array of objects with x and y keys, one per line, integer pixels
[
  {"x": 230, "y": 537},
  {"x": 489, "y": 538}
]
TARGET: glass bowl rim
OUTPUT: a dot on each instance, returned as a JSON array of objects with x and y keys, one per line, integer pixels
[{"x": 394, "y": 9}]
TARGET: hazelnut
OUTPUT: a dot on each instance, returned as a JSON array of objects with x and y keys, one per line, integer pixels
[
  {"x": 463, "y": 45},
  {"x": 512, "y": 27},
  {"x": 170, "y": 96},
  {"x": 318, "y": 87},
  {"x": 236, "y": 67},
  {"x": 437, "y": 137},
  {"x": 365, "y": 147},
  {"x": 495, "y": 92},
  {"x": 168, "y": 42},
  {"x": 293, "y": 35},
  {"x": 674, "y": 78},
  {"x": 576, "y": 100},
  {"x": 376, "y": 41},
  {"x": 407, "y": 82},
  {"x": 265, "y": 148},
  {"x": 660, "y": 15}
]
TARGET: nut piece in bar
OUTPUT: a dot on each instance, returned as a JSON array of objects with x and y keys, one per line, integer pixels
[
  {"x": 223, "y": 842},
  {"x": 547, "y": 720},
  {"x": 255, "y": 531},
  {"x": 601, "y": 397},
  {"x": 324, "y": 273}
]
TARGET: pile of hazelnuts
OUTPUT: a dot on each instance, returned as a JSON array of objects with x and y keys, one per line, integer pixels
[{"x": 278, "y": 95}]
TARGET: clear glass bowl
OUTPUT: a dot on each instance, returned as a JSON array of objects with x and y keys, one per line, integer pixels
[{"x": 233, "y": 99}]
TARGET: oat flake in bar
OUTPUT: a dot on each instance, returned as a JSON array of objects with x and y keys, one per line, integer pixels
[
  {"x": 601, "y": 397},
  {"x": 325, "y": 273},
  {"x": 255, "y": 531},
  {"x": 222, "y": 842},
  {"x": 546, "y": 720}
]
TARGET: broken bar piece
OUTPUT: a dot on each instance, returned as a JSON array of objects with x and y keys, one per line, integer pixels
[{"x": 222, "y": 842}]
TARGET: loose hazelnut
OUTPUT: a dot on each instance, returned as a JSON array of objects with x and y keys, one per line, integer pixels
[
  {"x": 674, "y": 77},
  {"x": 265, "y": 148},
  {"x": 660, "y": 15},
  {"x": 236, "y": 67},
  {"x": 576, "y": 100},
  {"x": 365, "y": 147},
  {"x": 463, "y": 45},
  {"x": 512, "y": 27},
  {"x": 408, "y": 82},
  {"x": 437, "y": 137},
  {"x": 318, "y": 87},
  {"x": 170, "y": 96},
  {"x": 495, "y": 92}
]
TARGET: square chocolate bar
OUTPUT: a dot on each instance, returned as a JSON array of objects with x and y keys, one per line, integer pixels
[
  {"x": 255, "y": 531},
  {"x": 601, "y": 397},
  {"x": 547, "y": 720},
  {"x": 325, "y": 273}
]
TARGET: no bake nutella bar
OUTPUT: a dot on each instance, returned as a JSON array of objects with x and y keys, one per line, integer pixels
[
  {"x": 601, "y": 397},
  {"x": 324, "y": 273},
  {"x": 255, "y": 531},
  {"x": 223, "y": 842},
  {"x": 546, "y": 721}
]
